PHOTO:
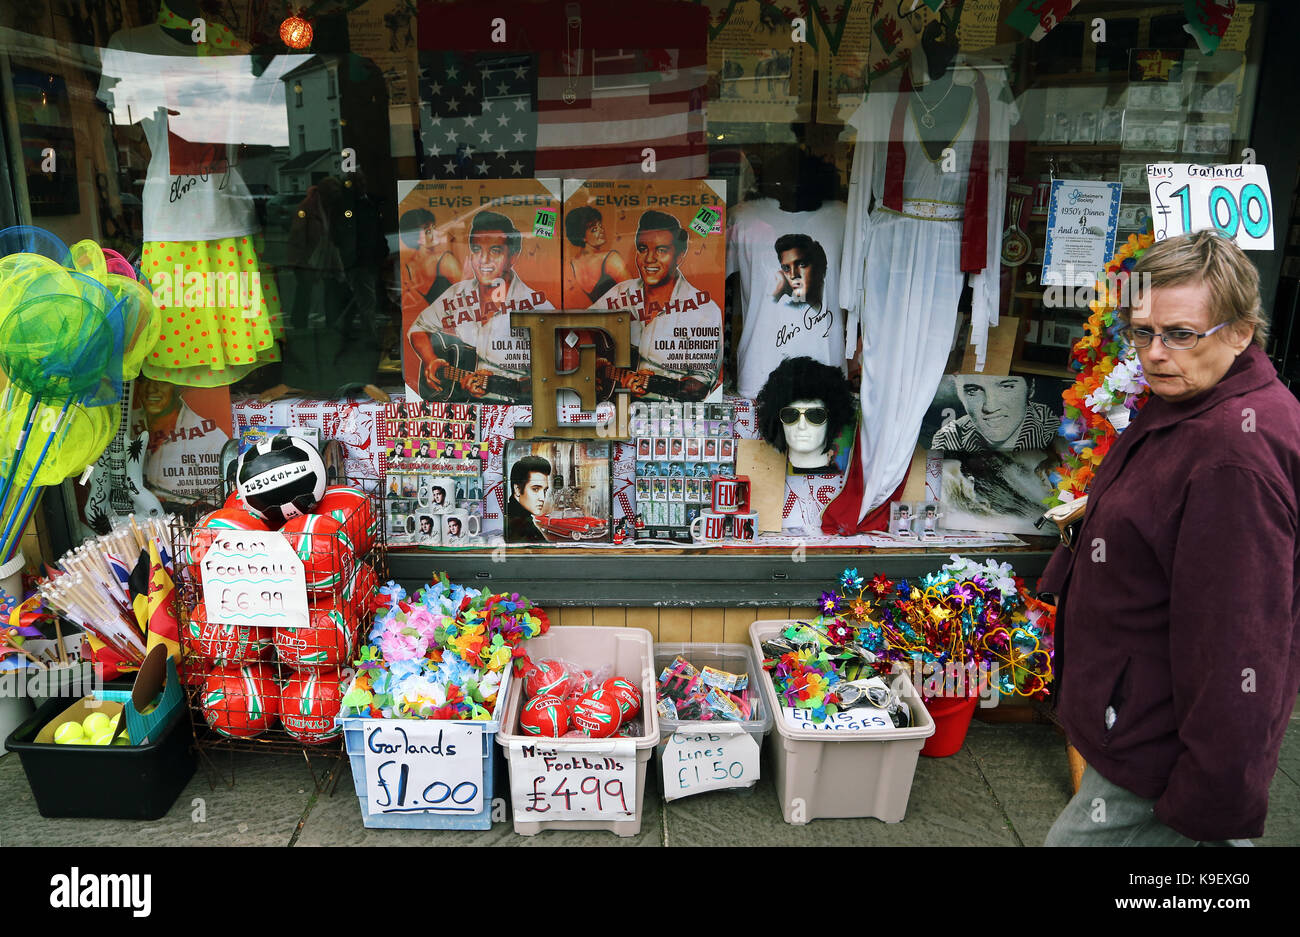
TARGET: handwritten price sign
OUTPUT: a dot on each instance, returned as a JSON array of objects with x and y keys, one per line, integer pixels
[
  {"x": 1234, "y": 199},
  {"x": 856, "y": 720},
  {"x": 698, "y": 759},
  {"x": 253, "y": 577},
  {"x": 588, "y": 782},
  {"x": 418, "y": 766}
]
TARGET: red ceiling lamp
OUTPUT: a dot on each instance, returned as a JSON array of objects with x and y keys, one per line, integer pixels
[{"x": 296, "y": 32}]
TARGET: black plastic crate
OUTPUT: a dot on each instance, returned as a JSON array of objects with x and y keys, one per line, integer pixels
[{"x": 135, "y": 782}]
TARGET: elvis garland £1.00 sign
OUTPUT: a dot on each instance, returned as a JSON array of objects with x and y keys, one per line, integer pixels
[
  {"x": 1233, "y": 199},
  {"x": 573, "y": 782}
]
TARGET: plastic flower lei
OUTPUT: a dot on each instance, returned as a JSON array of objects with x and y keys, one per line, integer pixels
[
  {"x": 1110, "y": 388},
  {"x": 443, "y": 656}
]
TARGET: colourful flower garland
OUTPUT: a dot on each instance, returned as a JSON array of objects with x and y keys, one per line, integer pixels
[
  {"x": 1110, "y": 388},
  {"x": 442, "y": 656}
]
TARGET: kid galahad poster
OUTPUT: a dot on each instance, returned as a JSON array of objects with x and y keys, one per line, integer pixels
[
  {"x": 655, "y": 249},
  {"x": 471, "y": 254}
]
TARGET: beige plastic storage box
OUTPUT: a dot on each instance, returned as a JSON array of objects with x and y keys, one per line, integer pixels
[
  {"x": 850, "y": 773},
  {"x": 630, "y": 651}
]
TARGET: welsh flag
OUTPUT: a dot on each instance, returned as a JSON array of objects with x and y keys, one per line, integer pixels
[
  {"x": 151, "y": 591},
  {"x": 1037, "y": 18},
  {"x": 1207, "y": 21}
]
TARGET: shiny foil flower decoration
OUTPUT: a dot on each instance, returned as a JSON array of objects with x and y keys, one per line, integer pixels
[{"x": 1025, "y": 667}]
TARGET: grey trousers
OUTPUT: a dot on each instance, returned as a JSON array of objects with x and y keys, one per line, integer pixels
[{"x": 1105, "y": 814}]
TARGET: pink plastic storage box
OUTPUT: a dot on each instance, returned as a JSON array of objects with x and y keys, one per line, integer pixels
[
  {"x": 630, "y": 652},
  {"x": 846, "y": 773}
]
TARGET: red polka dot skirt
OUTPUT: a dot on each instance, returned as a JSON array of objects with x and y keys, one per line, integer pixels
[{"x": 220, "y": 311}]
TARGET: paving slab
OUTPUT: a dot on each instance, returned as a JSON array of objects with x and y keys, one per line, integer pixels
[
  {"x": 1026, "y": 767},
  {"x": 270, "y": 795},
  {"x": 949, "y": 805}
]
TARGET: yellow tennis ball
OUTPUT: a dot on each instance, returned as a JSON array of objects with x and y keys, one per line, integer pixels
[
  {"x": 102, "y": 738},
  {"x": 122, "y": 739},
  {"x": 69, "y": 734},
  {"x": 94, "y": 724}
]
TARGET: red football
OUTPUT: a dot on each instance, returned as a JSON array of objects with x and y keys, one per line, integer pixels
[
  {"x": 351, "y": 507},
  {"x": 626, "y": 694},
  {"x": 359, "y": 589},
  {"x": 545, "y": 715},
  {"x": 308, "y": 704},
  {"x": 327, "y": 641},
  {"x": 597, "y": 713},
  {"x": 213, "y": 524},
  {"x": 240, "y": 702},
  {"x": 548, "y": 678},
  {"x": 225, "y": 644},
  {"x": 324, "y": 548}
]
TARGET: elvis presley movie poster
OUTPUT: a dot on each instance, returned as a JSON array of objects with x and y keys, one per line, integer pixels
[
  {"x": 655, "y": 248},
  {"x": 472, "y": 253}
]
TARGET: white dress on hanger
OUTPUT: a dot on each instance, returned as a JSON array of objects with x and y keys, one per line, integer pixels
[{"x": 901, "y": 277}]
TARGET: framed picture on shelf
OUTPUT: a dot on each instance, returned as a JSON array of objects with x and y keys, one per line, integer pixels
[
  {"x": 1166, "y": 135},
  {"x": 1151, "y": 135},
  {"x": 1215, "y": 99},
  {"x": 1207, "y": 138},
  {"x": 1133, "y": 217},
  {"x": 1085, "y": 128},
  {"x": 1110, "y": 125},
  {"x": 1058, "y": 128},
  {"x": 1133, "y": 177}
]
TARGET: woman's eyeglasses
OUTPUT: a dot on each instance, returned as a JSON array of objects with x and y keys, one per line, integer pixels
[
  {"x": 1177, "y": 339},
  {"x": 814, "y": 415}
]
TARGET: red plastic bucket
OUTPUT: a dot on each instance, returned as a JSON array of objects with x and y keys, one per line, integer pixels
[{"x": 952, "y": 716}]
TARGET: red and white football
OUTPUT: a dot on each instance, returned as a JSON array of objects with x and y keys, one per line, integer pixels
[
  {"x": 545, "y": 715},
  {"x": 327, "y": 641},
  {"x": 240, "y": 702},
  {"x": 308, "y": 704},
  {"x": 596, "y": 713},
  {"x": 324, "y": 548}
]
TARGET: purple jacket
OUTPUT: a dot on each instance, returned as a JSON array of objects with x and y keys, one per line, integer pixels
[{"x": 1180, "y": 605}]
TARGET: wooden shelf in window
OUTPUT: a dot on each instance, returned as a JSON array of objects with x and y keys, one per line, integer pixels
[
  {"x": 1075, "y": 147},
  {"x": 1044, "y": 370}
]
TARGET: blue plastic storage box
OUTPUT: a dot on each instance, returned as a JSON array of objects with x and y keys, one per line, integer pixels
[{"x": 352, "y": 739}]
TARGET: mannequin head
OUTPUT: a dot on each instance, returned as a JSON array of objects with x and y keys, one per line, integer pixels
[
  {"x": 797, "y": 387},
  {"x": 803, "y": 422}
]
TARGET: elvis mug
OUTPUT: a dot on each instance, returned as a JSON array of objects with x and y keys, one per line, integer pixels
[
  {"x": 730, "y": 495},
  {"x": 709, "y": 527},
  {"x": 424, "y": 528},
  {"x": 437, "y": 494},
  {"x": 744, "y": 525},
  {"x": 458, "y": 525}
]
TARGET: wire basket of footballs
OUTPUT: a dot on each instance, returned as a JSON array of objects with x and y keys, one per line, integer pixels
[{"x": 273, "y": 687}]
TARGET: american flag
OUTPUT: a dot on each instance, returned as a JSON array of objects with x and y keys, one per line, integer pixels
[{"x": 555, "y": 100}]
